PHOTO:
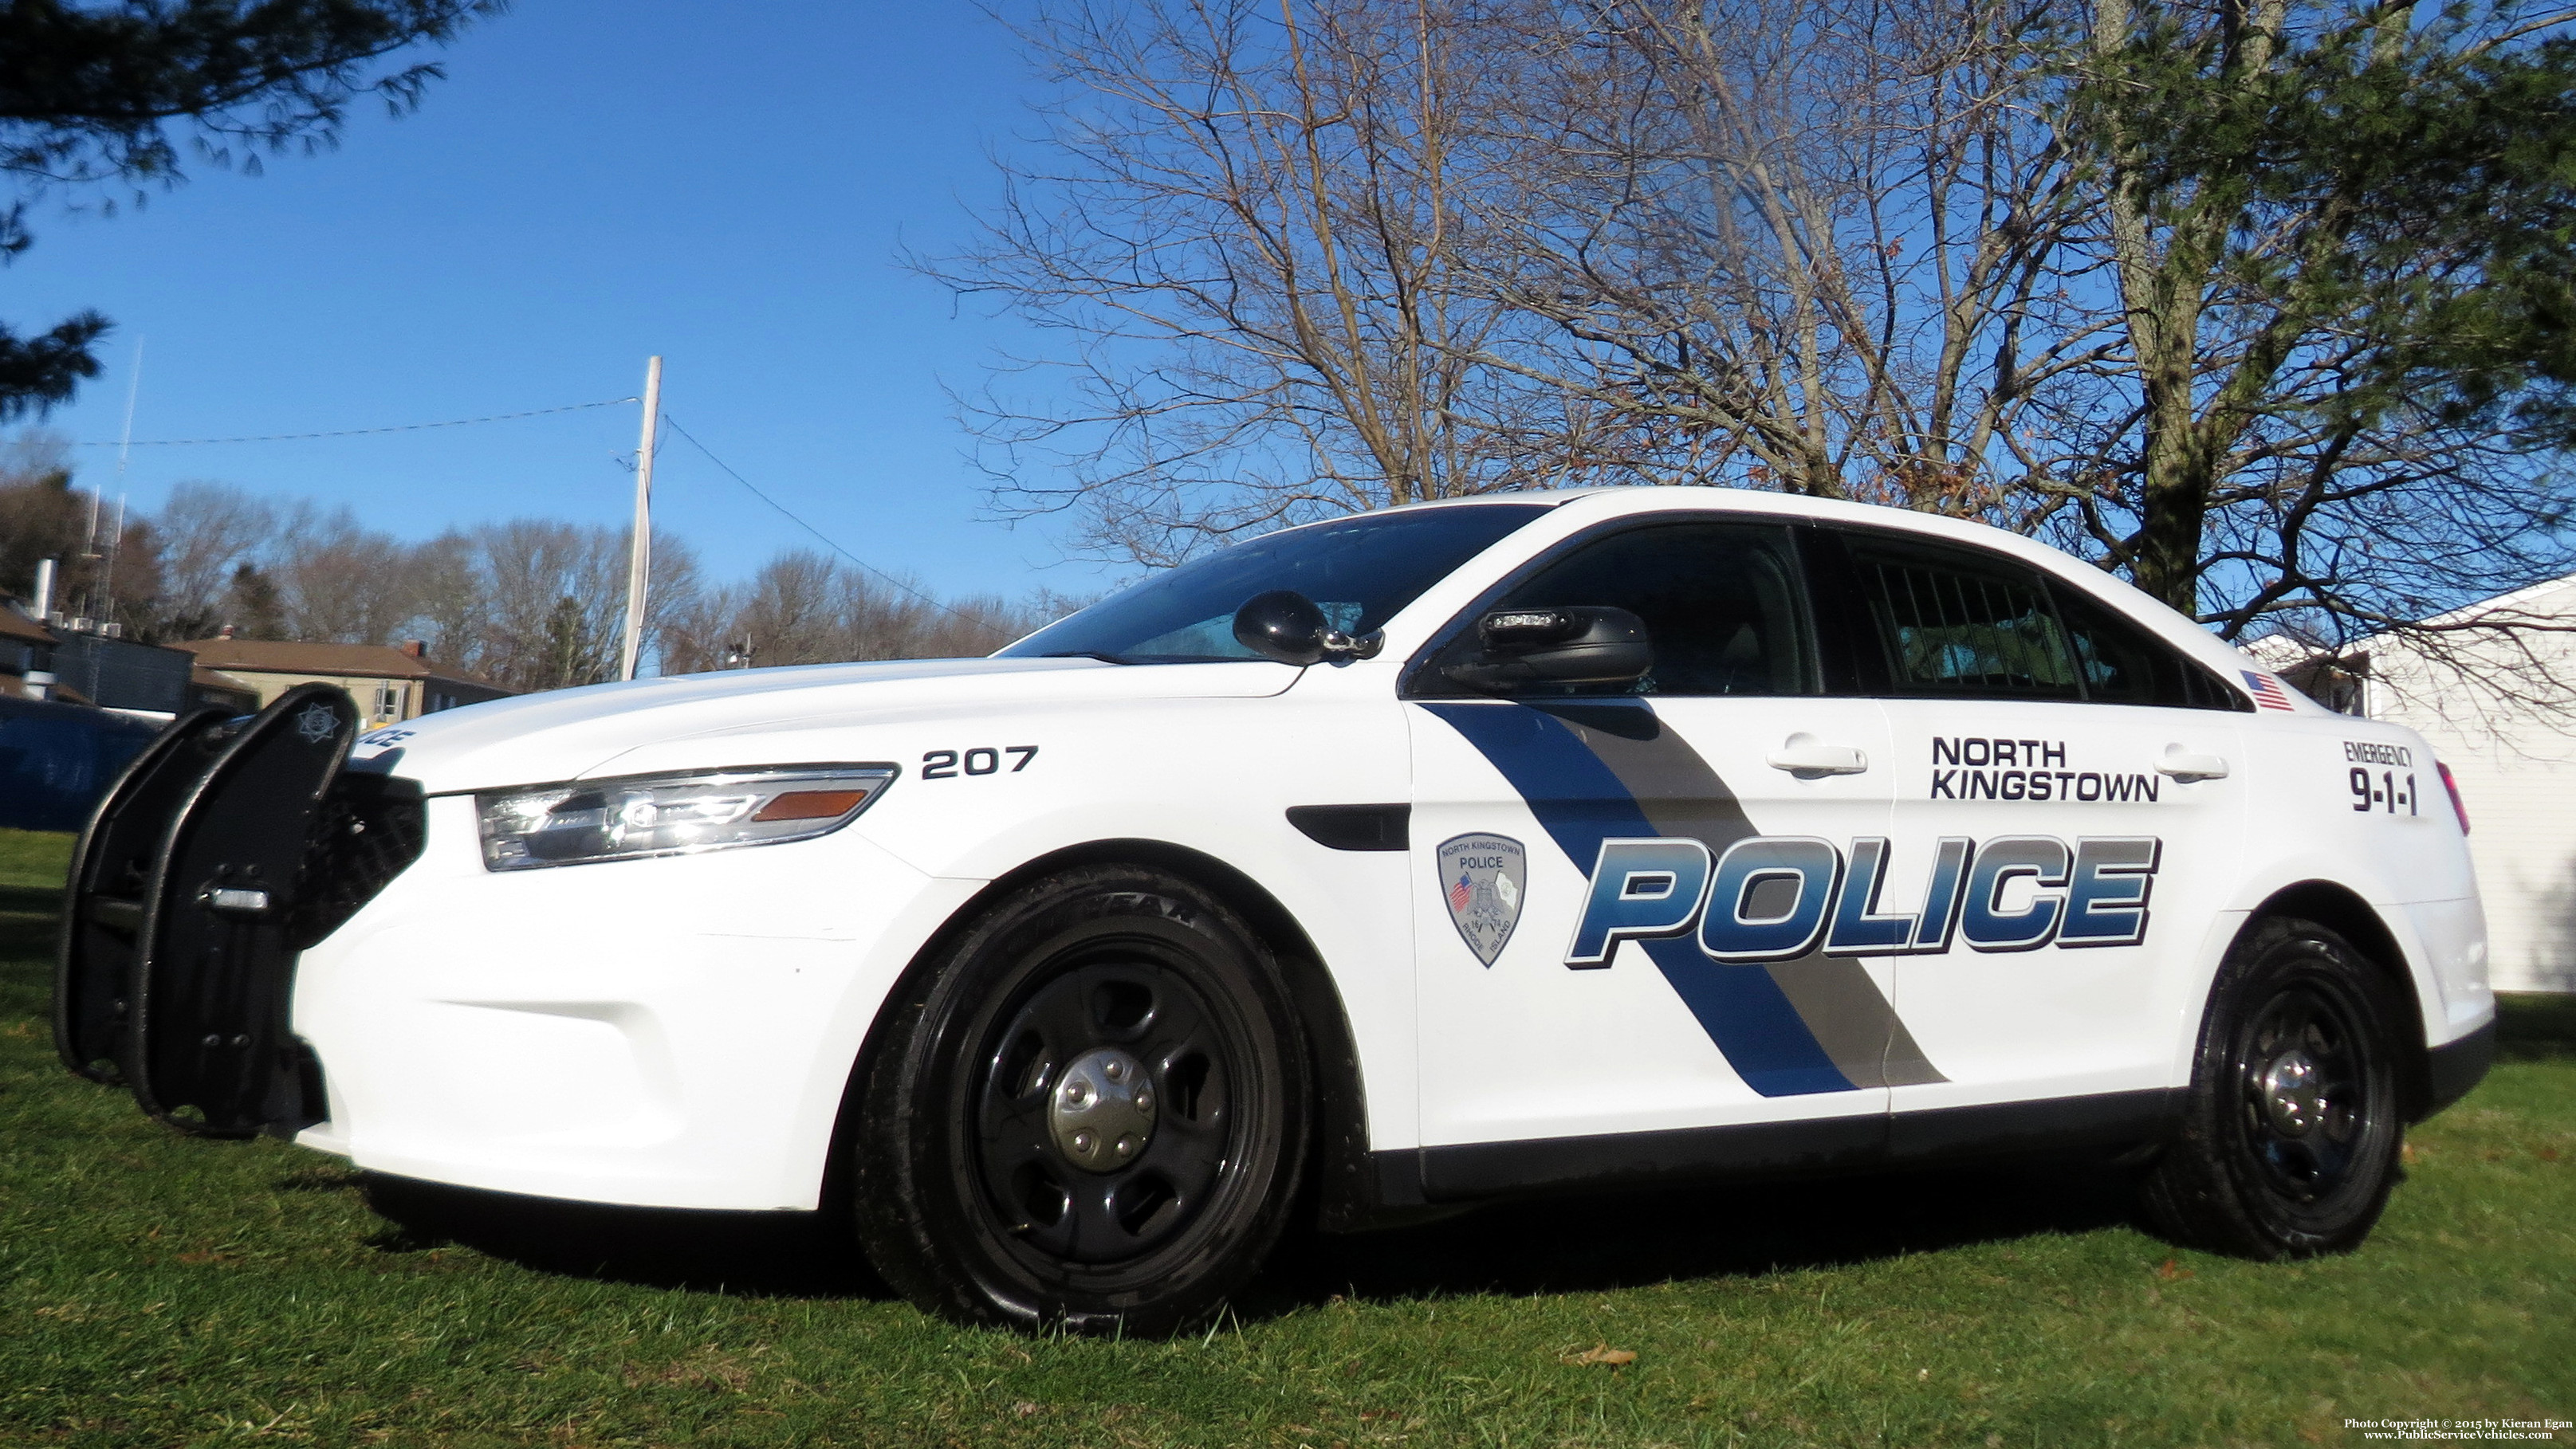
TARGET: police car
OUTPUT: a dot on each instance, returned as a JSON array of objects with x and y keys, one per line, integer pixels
[{"x": 1355, "y": 873}]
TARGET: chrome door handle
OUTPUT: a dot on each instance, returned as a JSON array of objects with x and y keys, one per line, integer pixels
[
  {"x": 2185, "y": 766},
  {"x": 1807, "y": 757}
]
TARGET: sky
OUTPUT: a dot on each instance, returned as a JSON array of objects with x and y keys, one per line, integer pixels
[{"x": 595, "y": 181}]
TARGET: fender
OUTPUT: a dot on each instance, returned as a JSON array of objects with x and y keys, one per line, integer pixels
[
  {"x": 2436, "y": 1075},
  {"x": 2345, "y": 884},
  {"x": 1349, "y": 1196}
]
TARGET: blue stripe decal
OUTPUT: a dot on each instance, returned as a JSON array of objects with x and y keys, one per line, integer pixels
[{"x": 1580, "y": 803}]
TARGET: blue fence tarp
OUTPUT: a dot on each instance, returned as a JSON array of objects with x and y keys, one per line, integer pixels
[{"x": 57, "y": 759}]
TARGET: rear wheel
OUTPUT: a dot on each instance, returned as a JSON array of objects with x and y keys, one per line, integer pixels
[
  {"x": 2291, "y": 1129},
  {"x": 1091, "y": 1111}
]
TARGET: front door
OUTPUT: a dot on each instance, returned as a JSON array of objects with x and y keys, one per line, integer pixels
[{"x": 1623, "y": 900}]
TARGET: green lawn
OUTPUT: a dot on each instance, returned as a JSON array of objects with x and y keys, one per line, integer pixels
[{"x": 156, "y": 1290}]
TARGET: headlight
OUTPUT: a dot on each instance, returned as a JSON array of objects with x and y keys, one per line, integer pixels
[{"x": 622, "y": 819}]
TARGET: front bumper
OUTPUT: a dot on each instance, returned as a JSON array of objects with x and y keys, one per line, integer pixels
[{"x": 674, "y": 1032}]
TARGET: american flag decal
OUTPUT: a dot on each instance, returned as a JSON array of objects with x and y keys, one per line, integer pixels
[
  {"x": 2267, "y": 691},
  {"x": 1460, "y": 894}
]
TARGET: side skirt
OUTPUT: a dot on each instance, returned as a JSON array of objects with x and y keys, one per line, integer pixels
[{"x": 1823, "y": 1147}]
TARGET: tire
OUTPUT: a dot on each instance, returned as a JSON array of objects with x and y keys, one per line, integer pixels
[
  {"x": 1005, "y": 1171},
  {"x": 2290, "y": 1130}
]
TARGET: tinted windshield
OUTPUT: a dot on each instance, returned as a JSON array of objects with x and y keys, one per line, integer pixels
[{"x": 1362, "y": 570}]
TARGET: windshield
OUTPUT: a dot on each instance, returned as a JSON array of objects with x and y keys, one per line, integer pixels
[{"x": 1361, "y": 570}]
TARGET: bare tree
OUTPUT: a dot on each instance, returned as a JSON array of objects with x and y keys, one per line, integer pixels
[
  {"x": 454, "y": 601},
  {"x": 208, "y": 530},
  {"x": 1247, "y": 226},
  {"x": 2255, "y": 302},
  {"x": 340, "y": 581},
  {"x": 804, "y": 607},
  {"x": 538, "y": 603},
  {"x": 1807, "y": 246}
]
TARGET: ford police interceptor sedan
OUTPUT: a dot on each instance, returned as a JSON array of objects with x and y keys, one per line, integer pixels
[{"x": 1360, "y": 871}]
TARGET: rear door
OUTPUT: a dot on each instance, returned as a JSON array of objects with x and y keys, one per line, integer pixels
[
  {"x": 1622, "y": 898},
  {"x": 2068, "y": 815}
]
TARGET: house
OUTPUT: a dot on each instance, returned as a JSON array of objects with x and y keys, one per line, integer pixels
[
  {"x": 2500, "y": 711},
  {"x": 78, "y": 664},
  {"x": 390, "y": 683},
  {"x": 214, "y": 689},
  {"x": 59, "y": 753},
  {"x": 26, "y": 653},
  {"x": 120, "y": 674}
]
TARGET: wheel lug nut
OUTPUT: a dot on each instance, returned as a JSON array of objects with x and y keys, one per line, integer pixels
[{"x": 1100, "y": 1113}]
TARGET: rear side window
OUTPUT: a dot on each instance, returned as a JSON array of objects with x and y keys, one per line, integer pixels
[
  {"x": 2122, "y": 663},
  {"x": 1959, "y": 623},
  {"x": 1956, "y": 623}
]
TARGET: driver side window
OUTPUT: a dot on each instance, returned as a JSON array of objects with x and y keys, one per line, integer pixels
[{"x": 1720, "y": 601}]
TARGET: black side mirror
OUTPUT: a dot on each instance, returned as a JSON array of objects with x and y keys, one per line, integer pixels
[
  {"x": 1590, "y": 644},
  {"x": 1287, "y": 626}
]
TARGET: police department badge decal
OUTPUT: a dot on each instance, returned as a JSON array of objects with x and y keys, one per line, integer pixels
[
  {"x": 1482, "y": 879},
  {"x": 316, "y": 723}
]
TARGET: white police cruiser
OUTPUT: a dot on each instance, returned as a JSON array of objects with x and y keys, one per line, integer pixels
[{"x": 1360, "y": 871}]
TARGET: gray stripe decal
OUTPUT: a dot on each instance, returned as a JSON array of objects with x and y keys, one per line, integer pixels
[{"x": 1677, "y": 791}]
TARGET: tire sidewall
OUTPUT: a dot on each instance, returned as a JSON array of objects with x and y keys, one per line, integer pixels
[
  {"x": 2284, "y": 956},
  {"x": 922, "y": 1203}
]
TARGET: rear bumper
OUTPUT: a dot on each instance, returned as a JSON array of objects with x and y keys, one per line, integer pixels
[{"x": 2453, "y": 1068}]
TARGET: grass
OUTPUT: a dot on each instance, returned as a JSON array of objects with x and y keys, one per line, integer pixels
[{"x": 157, "y": 1290}]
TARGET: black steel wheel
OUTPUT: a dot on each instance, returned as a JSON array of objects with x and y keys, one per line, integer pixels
[
  {"x": 2291, "y": 1130},
  {"x": 1090, "y": 1110}
]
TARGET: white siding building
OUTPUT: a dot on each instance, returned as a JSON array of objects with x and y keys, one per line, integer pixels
[{"x": 2509, "y": 735}]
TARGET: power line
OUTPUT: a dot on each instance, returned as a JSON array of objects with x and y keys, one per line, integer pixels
[
  {"x": 361, "y": 432},
  {"x": 818, "y": 533}
]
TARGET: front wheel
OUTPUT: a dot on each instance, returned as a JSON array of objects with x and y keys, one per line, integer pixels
[
  {"x": 2290, "y": 1132},
  {"x": 1091, "y": 1110}
]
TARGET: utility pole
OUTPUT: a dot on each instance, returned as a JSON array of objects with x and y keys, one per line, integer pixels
[
  {"x": 639, "y": 562},
  {"x": 106, "y": 611}
]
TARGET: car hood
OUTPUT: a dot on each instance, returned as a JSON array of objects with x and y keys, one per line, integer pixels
[{"x": 569, "y": 734}]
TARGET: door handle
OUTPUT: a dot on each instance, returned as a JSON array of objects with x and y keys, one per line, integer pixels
[
  {"x": 2185, "y": 766},
  {"x": 1807, "y": 757}
]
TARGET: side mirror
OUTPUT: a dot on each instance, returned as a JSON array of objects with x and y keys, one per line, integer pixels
[
  {"x": 1581, "y": 645},
  {"x": 1287, "y": 626}
]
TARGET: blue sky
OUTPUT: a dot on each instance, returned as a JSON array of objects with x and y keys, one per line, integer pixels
[{"x": 725, "y": 184}]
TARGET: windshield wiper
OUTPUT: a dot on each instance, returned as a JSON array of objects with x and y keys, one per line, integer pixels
[{"x": 1102, "y": 655}]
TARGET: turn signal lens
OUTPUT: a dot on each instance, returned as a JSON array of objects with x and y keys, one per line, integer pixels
[
  {"x": 644, "y": 815},
  {"x": 2459, "y": 807},
  {"x": 811, "y": 805}
]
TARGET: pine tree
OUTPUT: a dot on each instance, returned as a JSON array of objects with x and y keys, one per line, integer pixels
[
  {"x": 258, "y": 613},
  {"x": 102, "y": 94}
]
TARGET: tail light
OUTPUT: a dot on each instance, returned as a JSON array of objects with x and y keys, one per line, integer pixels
[{"x": 2458, "y": 807}]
